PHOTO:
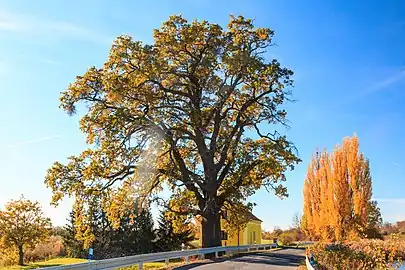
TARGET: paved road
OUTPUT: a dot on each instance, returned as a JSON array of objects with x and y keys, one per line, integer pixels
[{"x": 281, "y": 259}]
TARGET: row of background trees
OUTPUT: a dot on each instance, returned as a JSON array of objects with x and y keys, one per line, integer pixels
[
  {"x": 135, "y": 235},
  {"x": 287, "y": 236},
  {"x": 338, "y": 201},
  {"x": 295, "y": 233},
  {"x": 27, "y": 235}
]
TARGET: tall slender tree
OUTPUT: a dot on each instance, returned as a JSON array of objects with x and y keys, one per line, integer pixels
[
  {"x": 74, "y": 247},
  {"x": 167, "y": 237},
  {"x": 314, "y": 186},
  {"x": 359, "y": 180},
  {"x": 326, "y": 196},
  {"x": 307, "y": 217},
  {"x": 342, "y": 202}
]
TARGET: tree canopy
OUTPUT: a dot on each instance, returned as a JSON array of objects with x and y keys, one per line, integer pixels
[
  {"x": 22, "y": 225},
  {"x": 188, "y": 110}
]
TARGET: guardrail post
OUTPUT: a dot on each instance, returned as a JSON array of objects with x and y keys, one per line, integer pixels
[
  {"x": 166, "y": 261},
  {"x": 216, "y": 254},
  {"x": 186, "y": 259},
  {"x": 248, "y": 249},
  {"x": 140, "y": 266}
]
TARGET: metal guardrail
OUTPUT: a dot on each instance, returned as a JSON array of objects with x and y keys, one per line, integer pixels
[
  {"x": 308, "y": 264},
  {"x": 303, "y": 243},
  {"x": 140, "y": 259},
  {"x": 311, "y": 263}
]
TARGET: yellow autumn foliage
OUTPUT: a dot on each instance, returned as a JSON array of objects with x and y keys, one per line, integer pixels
[{"x": 337, "y": 194}]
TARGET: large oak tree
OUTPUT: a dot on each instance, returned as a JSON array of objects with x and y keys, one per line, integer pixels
[{"x": 194, "y": 110}]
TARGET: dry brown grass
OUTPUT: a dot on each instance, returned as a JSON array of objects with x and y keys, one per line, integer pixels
[{"x": 363, "y": 254}]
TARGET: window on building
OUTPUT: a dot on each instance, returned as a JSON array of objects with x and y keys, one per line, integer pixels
[
  {"x": 254, "y": 237},
  {"x": 224, "y": 235}
]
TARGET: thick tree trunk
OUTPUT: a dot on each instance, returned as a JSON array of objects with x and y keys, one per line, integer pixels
[
  {"x": 20, "y": 256},
  {"x": 211, "y": 230}
]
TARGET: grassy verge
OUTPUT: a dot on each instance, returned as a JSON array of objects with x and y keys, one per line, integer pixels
[
  {"x": 49, "y": 263},
  {"x": 64, "y": 261},
  {"x": 266, "y": 241},
  {"x": 295, "y": 245},
  {"x": 154, "y": 265}
]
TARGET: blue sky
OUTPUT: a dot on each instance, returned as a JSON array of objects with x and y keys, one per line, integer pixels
[{"x": 348, "y": 58}]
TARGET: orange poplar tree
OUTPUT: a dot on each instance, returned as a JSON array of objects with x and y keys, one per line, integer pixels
[
  {"x": 337, "y": 194},
  {"x": 342, "y": 203},
  {"x": 325, "y": 195},
  {"x": 308, "y": 216}
]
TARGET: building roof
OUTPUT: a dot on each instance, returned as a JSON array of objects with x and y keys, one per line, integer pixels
[{"x": 253, "y": 217}]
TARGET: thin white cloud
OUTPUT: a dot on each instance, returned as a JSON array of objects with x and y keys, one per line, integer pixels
[
  {"x": 36, "y": 26},
  {"x": 396, "y": 164},
  {"x": 394, "y": 78},
  {"x": 383, "y": 84},
  {"x": 34, "y": 141},
  {"x": 390, "y": 200},
  {"x": 377, "y": 86}
]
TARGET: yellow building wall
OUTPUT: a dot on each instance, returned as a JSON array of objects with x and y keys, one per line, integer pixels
[
  {"x": 252, "y": 234},
  {"x": 233, "y": 240}
]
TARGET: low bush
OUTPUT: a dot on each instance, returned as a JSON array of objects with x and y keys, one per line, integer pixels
[
  {"x": 8, "y": 256},
  {"x": 286, "y": 239},
  {"x": 48, "y": 249},
  {"x": 363, "y": 254}
]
